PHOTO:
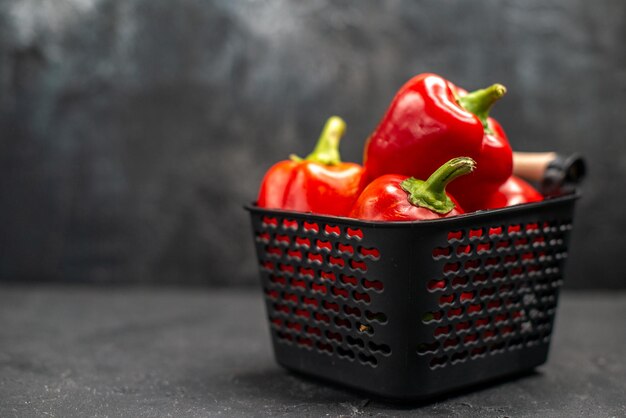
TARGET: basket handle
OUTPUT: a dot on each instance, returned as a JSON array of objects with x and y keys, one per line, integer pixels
[{"x": 555, "y": 173}]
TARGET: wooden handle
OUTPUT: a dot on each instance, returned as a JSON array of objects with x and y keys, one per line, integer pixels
[
  {"x": 554, "y": 173},
  {"x": 532, "y": 165}
]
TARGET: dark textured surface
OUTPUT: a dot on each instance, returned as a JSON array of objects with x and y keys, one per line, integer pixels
[
  {"x": 132, "y": 131},
  {"x": 68, "y": 351}
]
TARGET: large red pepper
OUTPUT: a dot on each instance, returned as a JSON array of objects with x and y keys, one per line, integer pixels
[
  {"x": 495, "y": 161},
  {"x": 395, "y": 197},
  {"x": 514, "y": 191},
  {"x": 319, "y": 183},
  {"x": 429, "y": 121}
]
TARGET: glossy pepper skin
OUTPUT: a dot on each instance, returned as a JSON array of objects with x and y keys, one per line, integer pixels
[
  {"x": 495, "y": 160},
  {"x": 429, "y": 121},
  {"x": 395, "y": 197},
  {"x": 514, "y": 191},
  {"x": 319, "y": 183}
]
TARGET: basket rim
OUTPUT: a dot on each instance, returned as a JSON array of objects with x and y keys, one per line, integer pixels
[{"x": 525, "y": 207}]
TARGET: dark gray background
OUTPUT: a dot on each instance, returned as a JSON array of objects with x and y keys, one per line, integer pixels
[{"x": 133, "y": 131}]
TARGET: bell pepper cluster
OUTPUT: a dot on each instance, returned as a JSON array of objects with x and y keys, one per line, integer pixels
[{"x": 435, "y": 153}]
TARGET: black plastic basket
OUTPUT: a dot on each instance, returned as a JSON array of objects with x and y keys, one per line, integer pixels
[{"x": 410, "y": 310}]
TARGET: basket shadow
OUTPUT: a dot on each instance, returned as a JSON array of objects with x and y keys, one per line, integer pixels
[
  {"x": 284, "y": 386},
  {"x": 458, "y": 394},
  {"x": 291, "y": 387}
]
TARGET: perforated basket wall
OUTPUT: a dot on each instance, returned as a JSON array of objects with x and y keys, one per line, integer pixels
[{"x": 410, "y": 310}]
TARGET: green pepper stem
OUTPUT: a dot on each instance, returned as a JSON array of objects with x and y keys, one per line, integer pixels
[
  {"x": 431, "y": 193},
  {"x": 479, "y": 102},
  {"x": 327, "y": 149}
]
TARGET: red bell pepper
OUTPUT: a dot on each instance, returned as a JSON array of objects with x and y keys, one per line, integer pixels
[
  {"x": 495, "y": 161},
  {"x": 514, "y": 191},
  {"x": 429, "y": 121},
  {"x": 319, "y": 183},
  {"x": 395, "y": 197}
]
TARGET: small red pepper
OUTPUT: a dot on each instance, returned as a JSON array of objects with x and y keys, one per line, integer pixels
[
  {"x": 395, "y": 197},
  {"x": 429, "y": 121},
  {"x": 319, "y": 183},
  {"x": 514, "y": 191}
]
